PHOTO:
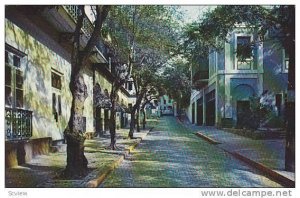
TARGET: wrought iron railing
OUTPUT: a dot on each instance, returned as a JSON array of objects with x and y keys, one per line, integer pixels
[
  {"x": 73, "y": 10},
  {"x": 18, "y": 124},
  {"x": 87, "y": 27}
]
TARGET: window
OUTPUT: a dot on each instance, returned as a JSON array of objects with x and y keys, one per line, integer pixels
[
  {"x": 129, "y": 86},
  {"x": 56, "y": 81},
  {"x": 286, "y": 60},
  {"x": 54, "y": 111},
  {"x": 8, "y": 86},
  {"x": 16, "y": 61},
  {"x": 19, "y": 88},
  {"x": 129, "y": 106},
  {"x": 244, "y": 52},
  {"x": 59, "y": 104},
  {"x": 14, "y": 90},
  {"x": 278, "y": 99},
  {"x": 6, "y": 57},
  {"x": 244, "y": 49}
]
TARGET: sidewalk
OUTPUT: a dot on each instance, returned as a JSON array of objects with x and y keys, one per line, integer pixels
[
  {"x": 43, "y": 171},
  {"x": 269, "y": 153}
]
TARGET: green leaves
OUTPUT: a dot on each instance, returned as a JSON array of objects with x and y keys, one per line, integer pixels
[
  {"x": 148, "y": 35},
  {"x": 214, "y": 29},
  {"x": 176, "y": 82}
]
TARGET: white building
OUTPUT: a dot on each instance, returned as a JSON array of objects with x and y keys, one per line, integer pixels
[{"x": 225, "y": 82}]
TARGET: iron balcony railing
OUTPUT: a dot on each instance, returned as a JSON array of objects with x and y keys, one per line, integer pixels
[
  {"x": 87, "y": 26},
  {"x": 18, "y": 124}
]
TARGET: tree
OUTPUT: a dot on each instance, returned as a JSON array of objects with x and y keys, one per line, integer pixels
[
  {"x": 176, "y": 81},
  {"x": 144, "y": 77},
  {"x": 76, "y": 160},
  {"x": 143, "y": 32},
  {"x": 213, "y": 30},
  {"x": 120, "y": 77},
  {"x": 120, "y": 52},
  {"x": 146, "y": 101},
  {"x": 153, "y": 92},
  {"x": 120, "y": 71}
]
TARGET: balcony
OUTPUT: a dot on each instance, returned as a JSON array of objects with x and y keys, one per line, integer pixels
[
  {"x": 73, "y": 11},
  {"x": 18, "y": 124},
  {"x": 200, "y": 79},
  {"x": 87, "y": 27}
]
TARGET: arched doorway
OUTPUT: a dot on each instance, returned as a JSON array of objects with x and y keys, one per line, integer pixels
[{"x": 241, "y": 94}]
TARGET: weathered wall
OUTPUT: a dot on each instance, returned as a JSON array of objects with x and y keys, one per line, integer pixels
[
  {"x": 37, "y": 82},
  {"x": 37, "y": 67}
]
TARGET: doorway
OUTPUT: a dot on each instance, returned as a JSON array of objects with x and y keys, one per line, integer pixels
[
  {"x": 210, "y": 108},
  {"x": 200, "y": 112},
  {"x": 243, "y": 112},
  {"x": 106, "y": 120},
  {"x": 210, "y": 113},
  {"x": 193, "y": 113},
  {"x": 98, "y": 119}
]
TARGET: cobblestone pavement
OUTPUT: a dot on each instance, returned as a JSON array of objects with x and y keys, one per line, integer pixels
[
  {"x": 269, "y": 152},
  {"x": 172, "y": 156}
]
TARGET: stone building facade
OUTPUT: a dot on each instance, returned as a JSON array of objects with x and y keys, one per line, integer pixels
[
  {"x": 37, "y": 77},
  {"x": 225, "y": 81}
]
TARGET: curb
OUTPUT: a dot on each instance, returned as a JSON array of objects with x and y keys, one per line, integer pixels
[
  {"x": 281, "y": 179},
  {"x": 206, "y": 138},
  {"x": 98, "y": 181},
  {"x": 286, "y": 182}
]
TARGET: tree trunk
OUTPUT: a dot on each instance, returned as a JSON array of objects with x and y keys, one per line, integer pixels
[
  {"x": 144, "y": 118},
  {"x": 178, "y": 110},
  {"x": 134, "y": 109},
  {"x": 290, "y": 108},
  {"x": 290, "y": 115},
  {"x": 112, "y": 125},
  {"x": 74, "y": 134},
  {"x": 132, "y": 124},
  {"x": 138, "y": 120}
]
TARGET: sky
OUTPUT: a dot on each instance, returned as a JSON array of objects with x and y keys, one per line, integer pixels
[{"x": 192, "y": 12}]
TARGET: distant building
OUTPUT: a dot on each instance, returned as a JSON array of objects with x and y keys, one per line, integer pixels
[
  {"x": 224, "y": 82},
  {"x": 165, "y": 104}
]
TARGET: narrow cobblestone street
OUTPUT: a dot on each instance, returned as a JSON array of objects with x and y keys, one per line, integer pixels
[{"x": 172, "y": 156}]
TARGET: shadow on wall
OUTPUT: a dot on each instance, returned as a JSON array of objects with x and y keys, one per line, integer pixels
[{"x": 37, "y": 79}]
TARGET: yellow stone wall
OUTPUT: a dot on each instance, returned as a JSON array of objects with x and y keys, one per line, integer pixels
[{"x": 37, "y": 84}]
